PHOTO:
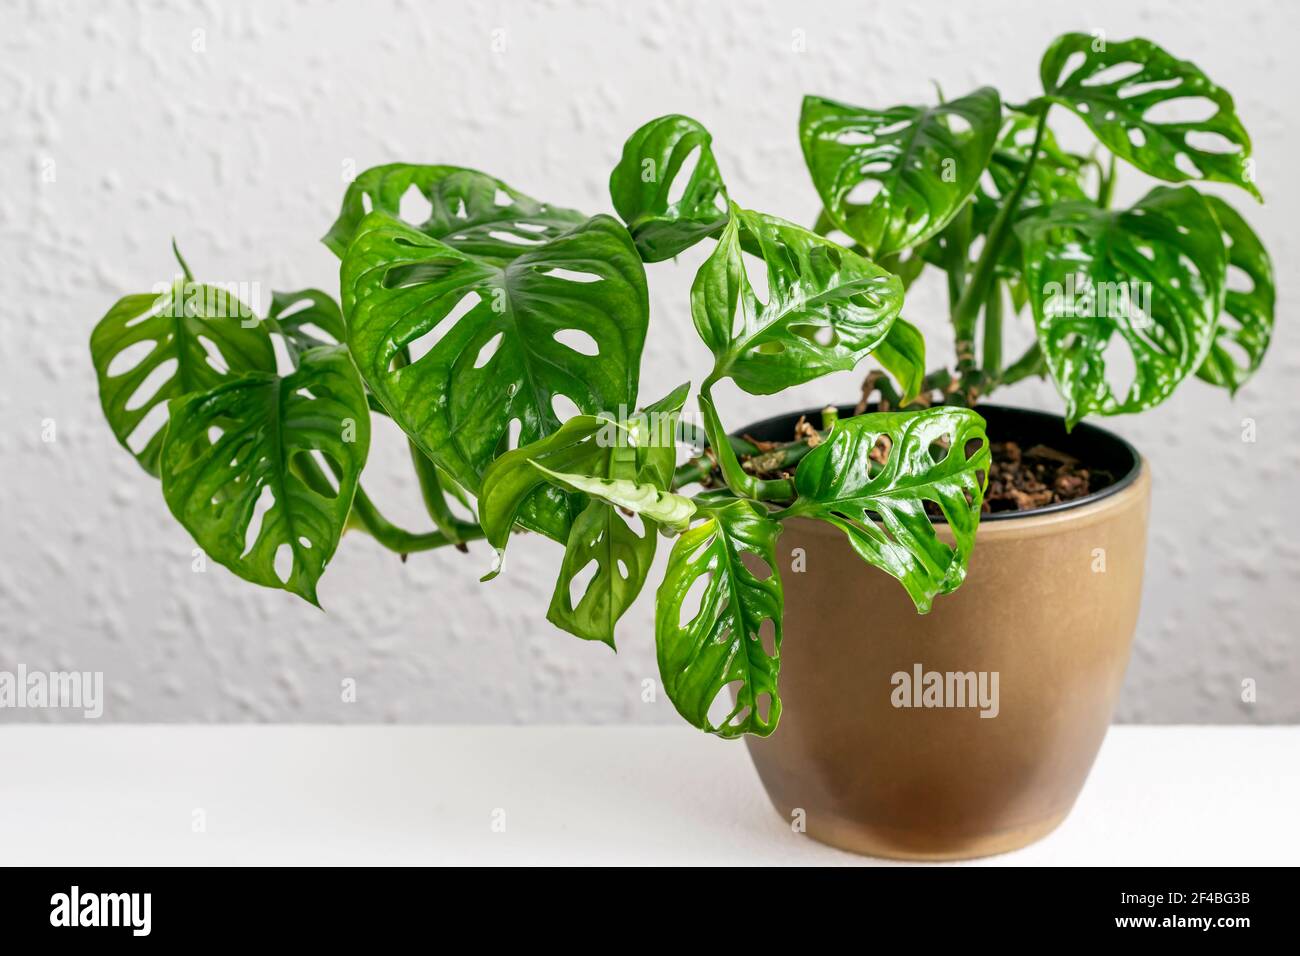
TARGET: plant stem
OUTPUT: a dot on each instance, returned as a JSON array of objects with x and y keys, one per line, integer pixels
[
  {"x": 738, "y": 480},
  {"x": 366, "y": 516},
  {"x": 976, "y": 292},
  {"x": 1107, "y": 187},
  {"x": 1029, "y": 364},
  {"x": 406, "y": 542},
  {"x": 991, "y": 359}
]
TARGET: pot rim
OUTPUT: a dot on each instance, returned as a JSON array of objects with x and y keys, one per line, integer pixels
[{"x": 1050, "y": 421}]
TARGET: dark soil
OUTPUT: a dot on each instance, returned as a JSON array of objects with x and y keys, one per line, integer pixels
[
  {"x": 1019, "y": 479},
  {"x": 1022, "y": 480}
]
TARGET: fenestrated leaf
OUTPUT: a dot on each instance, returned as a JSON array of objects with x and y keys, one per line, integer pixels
[
  {"x": 307, "y": 319},
  {"x": 644, "y": 183},
  {"x": 939, "y": 455},
  {"x": 826, "y": 307},
  {"x": 259, "y": 435},
  {"x": 510, "y": 479},
  {"x": 1153, "y": 275},
  {"x": 611, "y": 465},
  {"x": 664, "y": 508},
  {"x": 503, "y": 351},
  {"x": 721, "y": 643},
  {"x": 201, "y": 336},
  {"x": 1239, "y": 345},
  {"x": 925, "y": 160},
  {"x": 1115, "y": 85},
  {"x": 469, "y": 210}
]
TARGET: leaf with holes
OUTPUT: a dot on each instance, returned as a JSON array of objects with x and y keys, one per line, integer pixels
[
  {"x": 721, "y": 644},
  {"x": 921, "y": 162},
  {"x": 566, "y": 320},
  {"x": 939, "y": 455},
  {"x": 610, "y": 464},
  {"x": 1239, "y": 348},
  {"x": 1115, "y": 86},
  {"x": 257, "y": 440},
  {"x": 1150, "y": 277},
  {"x": 154, "y": 347},
  {"x": 307, "y": 319},
  {"x": 826, "y": 307},
  {"x": 666, "y": 209},
  {"x": 469, "y": 210}
]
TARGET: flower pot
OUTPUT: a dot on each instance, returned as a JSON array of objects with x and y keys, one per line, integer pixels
[{"x": 899, "y": 766}]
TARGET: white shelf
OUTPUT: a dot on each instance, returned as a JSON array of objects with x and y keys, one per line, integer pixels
[{"x": 117, "y": 795}]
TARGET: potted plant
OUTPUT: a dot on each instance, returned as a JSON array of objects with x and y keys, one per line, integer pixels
[{"x": 504, "y": 336}]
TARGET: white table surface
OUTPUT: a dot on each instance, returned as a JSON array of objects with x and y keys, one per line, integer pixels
[{"x": 116, "y": 795}]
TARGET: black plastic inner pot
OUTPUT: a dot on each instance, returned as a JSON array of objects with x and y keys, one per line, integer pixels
[{"x": 1096, "y": 448}]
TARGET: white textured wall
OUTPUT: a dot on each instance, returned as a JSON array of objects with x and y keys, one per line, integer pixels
[{"x": 239, "y": 150}]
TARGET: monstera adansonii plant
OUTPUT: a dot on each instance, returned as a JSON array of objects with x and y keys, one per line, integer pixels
[{"x": 504, "y": 337}]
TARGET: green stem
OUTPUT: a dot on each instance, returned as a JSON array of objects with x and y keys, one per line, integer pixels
[
  {"x": 1107, "y": 187},
  {"x": 991, "y": 359},
  {"x": 738, "y": 480},
  {"x": 968, "y": 307},
  {"x": 366, "y": 516},
  {"x": 1029, "y": 364},
  {"x": 406, "y": 542},
  {"x": 185, "y": 268}
]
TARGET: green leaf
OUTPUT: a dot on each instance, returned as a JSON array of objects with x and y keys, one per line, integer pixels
[
  {"x": 610, "y": 464},
  {"x": 672, "y": 511},
  {"x": 1250, "y": 309},
  {"x": 645, "y": 181},
  {"x": 902, "y": 353},
  {"x": 307, "y": 319},
  {"x": 925, "y": 160},
  {"x": 1114, "y": 88},
  {"x": 503, "y": 349},
  {"x": 258, "y": 436},
  {"x": 1152, "y": 275},
  {"x": 721, "y": 643},
  {"x": 469, "y": 210},
  {"x": 826, "y": 307},
  {"x": 201, "y": 335},
  {"x": 579, "y": 444},
  {"x": 881, "y": 507}
]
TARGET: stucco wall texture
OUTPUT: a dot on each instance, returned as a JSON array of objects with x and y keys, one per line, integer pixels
[{"x": 234, "y": 126}]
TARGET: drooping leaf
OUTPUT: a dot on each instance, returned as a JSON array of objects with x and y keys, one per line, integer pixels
[
  {"x": 940, "y": 455},
  {"x": 1152, "y": 275},
  {"x": 201, "y": 335},
  {"x": 1114, "y": 85},
  {"x": 664, "y": 508},
  {"x": 470, "y": 211},
  {"x": 666, "y": 216},
  {"x": 307, "y": 319},
  {"x": 611, "y": 465},
  {"x": 510, "y": 480},
  {"x": 256, "y": 439},
  {"x": 567, "y": 318},
  {"x": 922, "y": 161},
  {"x": 826, "y": 307},
  {"x": 902, "y": 353},
  {"x": 1239, "y": 346},
  {"x": 723, "y": 642}
]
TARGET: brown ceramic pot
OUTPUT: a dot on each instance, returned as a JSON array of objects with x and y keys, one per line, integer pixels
[{"x": 1049, "y": 605}]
